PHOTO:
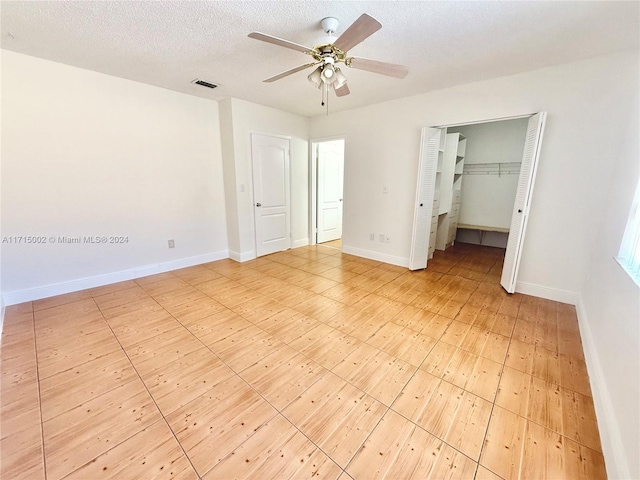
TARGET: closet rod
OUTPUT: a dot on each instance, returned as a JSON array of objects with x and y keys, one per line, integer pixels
[{"x": 510, "y": 168}]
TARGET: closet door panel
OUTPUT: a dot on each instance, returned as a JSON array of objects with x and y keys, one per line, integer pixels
[
  {"x": 522, "y": 203},
  {"x": 424, "y": 198}
]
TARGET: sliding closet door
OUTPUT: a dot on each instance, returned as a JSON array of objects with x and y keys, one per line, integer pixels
[
  {"x": 424, "y": 197},
  {"x": 522, "y": 203}
]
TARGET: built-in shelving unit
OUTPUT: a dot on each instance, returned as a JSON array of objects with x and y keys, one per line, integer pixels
[
  {"x": 436, "y": 197},
  {"x": 450, "y": 189}
]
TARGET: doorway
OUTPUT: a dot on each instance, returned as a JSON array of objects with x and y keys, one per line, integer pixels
[
  {"x": 438, "y": 195},
  {"x": 327, "y": 196}
]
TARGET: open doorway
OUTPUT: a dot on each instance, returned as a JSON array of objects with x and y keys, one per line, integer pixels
[
  {"x": 327, "y": 192},
  {"x": 501, "y": 213}
]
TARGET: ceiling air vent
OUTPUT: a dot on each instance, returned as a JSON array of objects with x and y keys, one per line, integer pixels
[{"x": 197, "y": 81}]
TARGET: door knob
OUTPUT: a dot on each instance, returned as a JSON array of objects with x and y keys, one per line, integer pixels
[
  {"x": 340, "y": 199},
  {"x": 258, "y": 204},
  {"x": 519, "y": 210},
  {"x": 421, "y": 204}
]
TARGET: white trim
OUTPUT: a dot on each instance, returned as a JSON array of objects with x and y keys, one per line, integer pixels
[
  {"x": 381, "y": 257},
  {"x": 242, "y": 257},
  {"x": 330, "y": 138},
  {"x": 30, "y": 294},
  {"x": 631, "y": 270},
  {"x": 313, "y": 181},
  {"x": 616, "y": 461},
  {"x": 629, "y": 254},
  {"x": 303, "y": 242},
  {"x": 313, "y": 194},
  {"x": 269, "y": 134},
  {"x": 490, "y": 120},
  {"x": 2, "y": 310},
  {"x": 562, "y": 296}
]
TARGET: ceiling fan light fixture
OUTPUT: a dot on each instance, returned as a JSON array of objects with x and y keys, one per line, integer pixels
[
  {"x": 315, "y": 77},
  {"x": 340, "y": 79},
  {"x": 328, "y": 73}
]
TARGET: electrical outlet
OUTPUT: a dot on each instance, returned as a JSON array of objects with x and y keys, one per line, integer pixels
[
  {"x": 381, "y": 238},
  {"x": 372, "y": 236},
  {"x": 387, "y": 239},
  {"x": 172, "y": 244}
]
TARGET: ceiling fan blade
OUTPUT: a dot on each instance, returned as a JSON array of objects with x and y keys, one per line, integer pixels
[
  {"x": 362, "y": 28},
  {"x": 384, "y": 68},
  {"x": 289, "y": 72},
  {"x": 343, "y": 91},
  {"x": 279, "y": 41}
]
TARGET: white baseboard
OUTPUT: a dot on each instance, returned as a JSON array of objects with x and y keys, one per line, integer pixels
[
  {"x": 28, "y": 295},
  {"x": 303, "y": 242},
  {"x": 242, "y": 257},
  {"x": 380, "y": 257},
  {"x": 562, "y": 296},
  {"x": 616, "y": 460}
]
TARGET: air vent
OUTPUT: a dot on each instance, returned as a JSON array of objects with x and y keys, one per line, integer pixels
[{"x": 197, "y": 81}]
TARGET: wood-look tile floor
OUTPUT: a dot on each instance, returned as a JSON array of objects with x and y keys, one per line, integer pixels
[
  {"x": 304, "y": 363},
  {"x": 333, "y": 243}
]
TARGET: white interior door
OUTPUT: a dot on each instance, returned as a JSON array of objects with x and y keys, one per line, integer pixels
[
  {"x": 330, "y": 183},
  {"x": 522, "y": 202},
  {"x": 271, "y": 193},
  {"x": 425, "y": 191}
]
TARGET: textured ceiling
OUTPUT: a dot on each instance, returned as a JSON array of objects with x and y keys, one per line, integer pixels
[{"x": 170, "y": 43}]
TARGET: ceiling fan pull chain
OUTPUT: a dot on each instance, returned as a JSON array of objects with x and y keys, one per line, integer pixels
[{"x": 327, "y": 87}]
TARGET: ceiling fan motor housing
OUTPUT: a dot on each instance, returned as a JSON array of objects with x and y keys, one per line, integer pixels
[{"x": 330, "y": 25}]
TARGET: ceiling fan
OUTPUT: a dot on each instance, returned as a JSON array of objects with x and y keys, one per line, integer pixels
[{"x": 328, "y": 55}]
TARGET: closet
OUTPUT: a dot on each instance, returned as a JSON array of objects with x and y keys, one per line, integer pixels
[{"x": 475, "y": 185}]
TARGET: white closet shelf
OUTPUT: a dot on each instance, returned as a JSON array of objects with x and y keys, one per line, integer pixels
[
  {"x": 484, "y": 228},
  {"x": 511, "y": 168}
]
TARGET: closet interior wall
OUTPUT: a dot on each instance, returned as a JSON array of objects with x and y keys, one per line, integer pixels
[{"x": 493, "y": 153}]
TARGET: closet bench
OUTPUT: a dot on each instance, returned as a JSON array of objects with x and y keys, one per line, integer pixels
[{"x": 482, "y": 229}]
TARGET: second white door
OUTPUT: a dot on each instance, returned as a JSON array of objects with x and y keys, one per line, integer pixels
[
  {"x": 271, "y": 193},
  {"x": 330, "y": 182}
]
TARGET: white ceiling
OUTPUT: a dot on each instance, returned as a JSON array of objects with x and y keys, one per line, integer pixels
[{"x": 169, "y": 43}]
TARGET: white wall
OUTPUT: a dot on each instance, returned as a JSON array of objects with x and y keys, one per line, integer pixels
[
  {"x": 589, "y": 105},
  {"x": 87, "y": 154},
  {"x": 611, "y": 301},
  {"x": 382, "y": 145},
  {"x": 487, "y": 200},
  {"x": 247, "y": 118}
]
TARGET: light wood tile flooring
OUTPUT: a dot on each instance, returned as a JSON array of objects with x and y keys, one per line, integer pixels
[
  {"x": 333, "y": 243},
  {"x": 305, "y": 363}
]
